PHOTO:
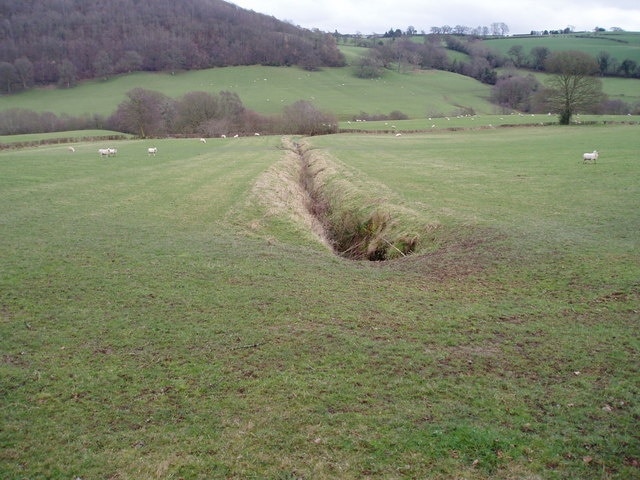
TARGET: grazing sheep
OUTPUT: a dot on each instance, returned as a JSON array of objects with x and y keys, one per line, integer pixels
[
  {"x": 591, "y": 157},
  {"x": 203, "y": 140},
  {"x": 71, "y": 149},
  {"x": 112, "y": 152},
  {"x": 104, "y": 152},
  {"x": 152, "y": 151}
]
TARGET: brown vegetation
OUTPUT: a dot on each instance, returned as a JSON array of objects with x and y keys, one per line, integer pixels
[{"x": 49, "y": 42}]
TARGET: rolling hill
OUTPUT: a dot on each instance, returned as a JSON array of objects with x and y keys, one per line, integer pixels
[{"x": 267, "y": 89}]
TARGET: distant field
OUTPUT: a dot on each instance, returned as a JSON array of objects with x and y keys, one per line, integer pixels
[
  {"x": 267, "y": 90},
  {"x": 620, "y": 46},
  {"x": 439, "y": 123},
  {"x": 67, "y": 137},
  {"x": 175, "y": 317}
]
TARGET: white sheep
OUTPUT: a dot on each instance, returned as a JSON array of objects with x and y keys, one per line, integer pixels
[
  {"x": 592, "y": 157},
  {"x": 112, "y": 152},
  {"x": 152, "y": 151},
  {"x": 203, "y": 140},
  {"x": 104, "y": 152},
  {"x": 71, "y": 149}
]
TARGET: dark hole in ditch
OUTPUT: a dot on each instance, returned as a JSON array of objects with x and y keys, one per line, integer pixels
[{"x": 351, "y": 234}]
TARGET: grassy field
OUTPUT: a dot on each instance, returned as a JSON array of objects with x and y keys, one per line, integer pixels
[
  {"x": 464, "y": 122},
  {"x": 621, "y": 46},
  {"x": 268, "y": 89},
  {"x": 175, "y": 317}
]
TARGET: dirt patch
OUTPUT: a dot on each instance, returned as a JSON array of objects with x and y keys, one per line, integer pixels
[{"x": 467, "y": 252}]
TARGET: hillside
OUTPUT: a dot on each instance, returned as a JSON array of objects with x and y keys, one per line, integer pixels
[
  {"x": 619, "y": 46},
  {"x": 268, "y": 89},
  {"x": 53, "y": 41}
]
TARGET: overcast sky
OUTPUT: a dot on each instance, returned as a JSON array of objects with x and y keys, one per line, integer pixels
[{"x": 521, "y": 16}]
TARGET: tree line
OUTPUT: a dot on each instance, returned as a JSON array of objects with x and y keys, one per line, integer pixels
[
  {"x": 480, "y": 62},
  {"x": 536, "y": 58},
  {"x": 148, "y": 113},
  {"x": 405, "y": 54},
  {"x": 64, "y": 41},
  {"x": 574, "y": 86},
  {"x": 510, "y": 90}
]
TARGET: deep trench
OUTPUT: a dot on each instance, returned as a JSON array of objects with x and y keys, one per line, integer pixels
[{"x": 350, "y": 234}]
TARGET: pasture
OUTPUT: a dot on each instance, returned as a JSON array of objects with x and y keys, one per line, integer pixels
[
  {"x": 473, "y": 122},
  {"x": 268, "y": 89},
  {"x": 174, "y": 317},
  {"x": 620, "y": 45}
]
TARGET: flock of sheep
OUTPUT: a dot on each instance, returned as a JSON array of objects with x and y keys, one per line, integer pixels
[{"x": 112, "y": 152}]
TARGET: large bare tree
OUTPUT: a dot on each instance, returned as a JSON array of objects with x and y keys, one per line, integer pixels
[{"x": 573, "y": 85}]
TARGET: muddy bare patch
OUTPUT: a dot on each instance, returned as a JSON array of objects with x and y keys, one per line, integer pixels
[{"x": 463, "y": 253}]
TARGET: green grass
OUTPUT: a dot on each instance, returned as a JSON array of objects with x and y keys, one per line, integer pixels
[
  {"x": 616, "y": 88},
  {"x": 60, "y": 137},
  {"x": 474, "y": 122},
  {"x": 268, "y": 89},
  {"x": 620, "y": 46},
  {"x": 171, "y": 316}
]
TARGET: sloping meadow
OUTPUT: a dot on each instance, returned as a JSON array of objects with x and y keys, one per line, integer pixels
[{"x": 189, "y": 314}]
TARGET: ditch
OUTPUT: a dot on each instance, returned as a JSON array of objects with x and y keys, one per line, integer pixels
[{"x": 356, "y": 228}]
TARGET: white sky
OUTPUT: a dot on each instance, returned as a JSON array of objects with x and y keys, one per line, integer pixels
[{"x": 521, "y": 16}]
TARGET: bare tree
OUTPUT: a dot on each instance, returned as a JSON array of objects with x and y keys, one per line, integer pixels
[
  {"x": 24, "y": 70},
  {"x": 303, "y": 117},
  {"x": 517, "y": 55},
  {"x": 573, "y": 86},
  {"x": 144, "y": 113},
  {"x": 195, "y": 109},
  {"x": 515, "y": 92},
  {"x": 539, "y": 56},
  {"x": 67, "y": 74},
  {"x": 102, "y": 65},
  {"x": 370, "y": 65},
  {"x": 8, "y": 76},
  {"x": 627, "y": 67},
  {"x": 604, "y": 59}
]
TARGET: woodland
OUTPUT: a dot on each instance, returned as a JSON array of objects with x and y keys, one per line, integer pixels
[{"x": 63, "y": 41}]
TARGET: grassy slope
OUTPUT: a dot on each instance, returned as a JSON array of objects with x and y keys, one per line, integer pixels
[
  {"x": 268, "y": 89},
  {"x": 619, "y": 45},
  {"x": 161, "y": 321}
]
